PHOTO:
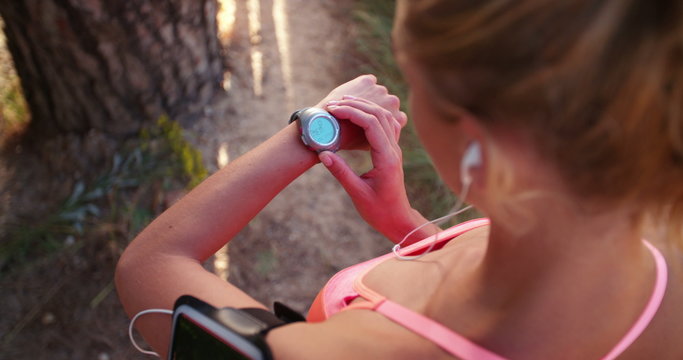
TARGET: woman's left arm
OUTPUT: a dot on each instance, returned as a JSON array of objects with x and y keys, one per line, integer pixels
[{"x": 165, "y": 260}]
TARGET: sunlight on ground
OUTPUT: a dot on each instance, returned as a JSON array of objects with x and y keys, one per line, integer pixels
[
  {"x": 226, "y": 20},
  {"x": 226, "y": 25},
  {"x": 254, "y": 11},
  {"x": 221, "y": 263},
  {"x": 227, "y": 80},
  {"x": 221, "y": 259},
  {"x": 282, "y": 36},
  {"x": 257, "y": 71},
  {"x": 222, "y": 157}
]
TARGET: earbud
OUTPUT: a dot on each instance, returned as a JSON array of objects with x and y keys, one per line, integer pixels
[{"x": 470, "y": 160}]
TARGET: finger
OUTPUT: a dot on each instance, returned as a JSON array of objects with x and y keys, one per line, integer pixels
[
  {"x": 387, "y": 120},
  {"x": 402, "y": 119},
  {"x": 369, "y": 79},
  {"x": 390, "y": 124},
  {"x": 402, "y": 122},
  {"x": 384, "y": 117},
  {"x": 392, "y": 105},
  {"x": 383, "y": 151},
  {"x": 352, "y": 183},
  {"x": 375, "y": 133},
  {"x": 397, "y": 129}
]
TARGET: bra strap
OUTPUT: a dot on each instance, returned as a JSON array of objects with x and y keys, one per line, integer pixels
[
  {"x": 442, "y": 336},
  {"x": 651, "y": 308}
]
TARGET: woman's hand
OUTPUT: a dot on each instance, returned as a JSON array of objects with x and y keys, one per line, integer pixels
[
  {"x": 379, "y": 195},
  {"x": 364, "y": 87}
]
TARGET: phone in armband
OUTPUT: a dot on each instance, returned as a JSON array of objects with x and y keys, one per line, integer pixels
[{"x": 201, "y": 331}]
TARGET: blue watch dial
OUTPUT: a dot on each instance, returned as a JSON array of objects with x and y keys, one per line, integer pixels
[{"x": 321, "y": 130}]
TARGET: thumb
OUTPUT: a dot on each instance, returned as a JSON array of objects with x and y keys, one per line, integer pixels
[{"x": 351, "y": 182}]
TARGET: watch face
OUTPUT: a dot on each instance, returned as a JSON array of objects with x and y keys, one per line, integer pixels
[{"x": 321, "y": 130}]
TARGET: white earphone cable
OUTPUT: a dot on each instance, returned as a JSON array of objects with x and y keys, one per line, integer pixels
[
  {"x": 461, "y": 200},
  {"x": 132, "y": 322}
]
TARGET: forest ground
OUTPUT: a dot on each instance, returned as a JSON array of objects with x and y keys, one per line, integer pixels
[{"x": 282, "y": 55}]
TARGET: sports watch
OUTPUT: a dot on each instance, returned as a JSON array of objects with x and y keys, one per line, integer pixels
[{"x": 319, "y": 129}]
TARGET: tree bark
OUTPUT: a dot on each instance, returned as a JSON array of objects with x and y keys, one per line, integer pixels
[{"x": 111, "y": 66}]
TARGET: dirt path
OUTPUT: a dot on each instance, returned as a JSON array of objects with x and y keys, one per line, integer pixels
[{"x": 286, "y": 55}]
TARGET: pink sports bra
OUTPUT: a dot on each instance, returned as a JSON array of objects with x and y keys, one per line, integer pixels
[{"x": 348, "y": 285}]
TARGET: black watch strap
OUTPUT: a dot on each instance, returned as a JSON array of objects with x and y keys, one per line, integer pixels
[
  {"x": 270, "y": 321},
  {"x": 295, "y": 115}
]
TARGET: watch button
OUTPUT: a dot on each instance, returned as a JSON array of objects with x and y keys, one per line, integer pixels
[{"x": 303, "y": 139}]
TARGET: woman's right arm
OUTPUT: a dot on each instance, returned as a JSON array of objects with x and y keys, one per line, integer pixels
[
  {"x": 164, "y": 261},
  {"x": 379, "y": 195}
]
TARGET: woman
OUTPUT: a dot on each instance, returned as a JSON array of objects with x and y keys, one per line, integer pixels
[{"x": 559, "y": 120}]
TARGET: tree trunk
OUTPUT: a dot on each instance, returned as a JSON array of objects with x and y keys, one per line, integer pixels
[{"x": 111, "y": 66}]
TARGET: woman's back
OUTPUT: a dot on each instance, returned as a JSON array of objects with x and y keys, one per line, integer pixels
[
  {"x": 539, "y": 324},
  {"x": 546, "y": 321}
]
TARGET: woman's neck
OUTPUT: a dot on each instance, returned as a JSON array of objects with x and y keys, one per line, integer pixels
[{"x": 578, "y": 251}]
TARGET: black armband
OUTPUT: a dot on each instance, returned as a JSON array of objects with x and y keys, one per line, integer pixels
[{"x": 201, "y": 331}]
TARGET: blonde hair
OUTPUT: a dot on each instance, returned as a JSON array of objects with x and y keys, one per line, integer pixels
[{"x": 598, "y": 85}]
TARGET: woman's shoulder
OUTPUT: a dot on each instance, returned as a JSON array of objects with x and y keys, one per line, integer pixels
[{"x": 356, "y": 334}]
